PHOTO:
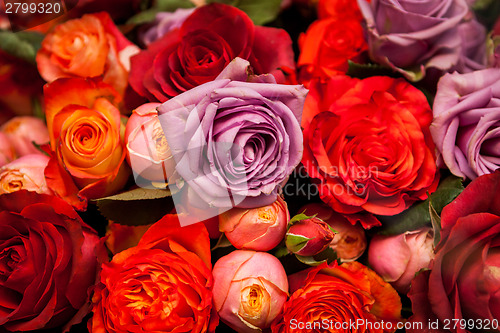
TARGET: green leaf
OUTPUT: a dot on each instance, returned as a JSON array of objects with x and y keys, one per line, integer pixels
[
  {"x": 418, "y": 215},
  {"x": 149, "y": 15},
  {"x": 136, "y": 207},
  {"x": 172, "y": 5},
  {"x": 299, "y": 217},
  {"x": 328, "y": 256},
  {"x": 22, "y": 45},
  {"x": 222, "y": 242},
  {"x": 260, "y": 11},
  {"x": 296, "y": 243},
  {"x": 281, "y": 251},
  {"x": 362, "y": 71},
  {"x": 436, "y": 224}
]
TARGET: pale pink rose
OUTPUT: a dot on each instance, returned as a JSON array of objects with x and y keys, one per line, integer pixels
[
  {"x": 259, "y": 229},
  {"x": 250, "y": 289},
  {"x": 398, "y": 258},
  {"x": 24, "y": 132},
  {"x": 7, "y": 152},
  {"x": 25, "y": 173},
  {"x": 148, "y": 152}
]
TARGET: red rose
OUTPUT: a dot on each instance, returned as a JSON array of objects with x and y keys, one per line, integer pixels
[
  {"x": 464, "y": 280},
  {"x": 367, "y": 144},
  {"x": 49, "y": 260},
  {"x": 164, "y": 284},
  {"x": 206, "y": 42}
]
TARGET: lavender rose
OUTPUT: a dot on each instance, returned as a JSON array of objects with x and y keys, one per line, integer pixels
[
  {"x": 410, "y": 36},
  {"x": 163, "y": 23},
  {"x": 466, "y": 125},
  {"x": 235, "y": 142}
]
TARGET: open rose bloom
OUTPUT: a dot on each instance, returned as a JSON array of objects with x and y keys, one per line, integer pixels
[{"x": 206, "y": 166}]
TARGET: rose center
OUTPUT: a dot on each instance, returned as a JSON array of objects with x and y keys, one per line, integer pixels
[{"x": 252, "y": 301}]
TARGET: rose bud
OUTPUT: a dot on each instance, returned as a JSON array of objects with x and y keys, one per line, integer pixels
[
  {"x": 259, "y": 229},
  {"x": 398, "y": 258},
  {"x": 23, "y": 132},
  {"x": 249, "y": 290},
  {"x": 349, "y": 241},
  {"x": 7, "y": 152},
  {"x": 25, "y": 173},
  {"x": 309, "y": 236},
  {"x": 147, "y": 150}
]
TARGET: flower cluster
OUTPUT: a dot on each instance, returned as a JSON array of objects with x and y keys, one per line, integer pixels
[{"x": 280, "y": 166}]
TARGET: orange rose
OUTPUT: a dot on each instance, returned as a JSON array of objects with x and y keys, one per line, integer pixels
[
  {"x": 162, "y": 285},
  {"x": 347, "y": 298},
  {"x": 86, "y": 47},
  {"x": 327, "y": 46},
  {"x": 85, "y": 139},
  {"x": 367, "y": 144}
]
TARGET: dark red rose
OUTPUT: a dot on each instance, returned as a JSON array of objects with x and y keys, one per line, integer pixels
[
  {"x": 49, "y": 260},
  {"x": 210, "y": 38},
  {"x": 464, "y": 280}
]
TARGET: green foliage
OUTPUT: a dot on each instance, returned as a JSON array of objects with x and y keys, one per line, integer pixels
[
  {"x": 22, "y": 44},
  {"x": 418, "y": 215},
  {"x": 136, "y": 207},
  {"x": 149, "y": 15},
  {"x": 260, "y": 11}
]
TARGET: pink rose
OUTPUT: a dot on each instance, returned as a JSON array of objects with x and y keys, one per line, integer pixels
[
  {"x": 7, "y": 152},
  {"x": 398, "y": 258},
  {"x": 148, "y": 152},
  {"x": 259, "y": 229},
  {"x": 23, "y": 131},
  {"x": 25, "y": 173},
  {"x": 249, "y": 290}
]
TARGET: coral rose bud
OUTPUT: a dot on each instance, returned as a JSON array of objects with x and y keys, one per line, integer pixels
[
  {"x": 308, "y": 237},
  {"x": 398, "y": 258},
  {"x": 23, "y": 132},
  {"x": 147, "y": 150},
  {"x": 25, "y": 173},
  {"x": 349, "y": 241},
  {"x": 7, "y": 152},
  {"x": 249, "y": 290},
  {"x": 259, "y": 229}
]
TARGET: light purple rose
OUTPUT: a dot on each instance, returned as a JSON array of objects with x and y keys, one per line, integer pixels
[
  {"x": 466, "y": 125},
  {"x": 473, "y": 56},
  {"x": 163, "y": 23},
  {"x": 235, "y": 142},
  {"x": 411, "y": 36}
]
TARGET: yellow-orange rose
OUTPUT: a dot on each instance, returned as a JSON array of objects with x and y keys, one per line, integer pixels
[
  {"x": 86, "y": 47},
  {"x": 350, "y": 297},
  {"x": 85, "y": 139}
]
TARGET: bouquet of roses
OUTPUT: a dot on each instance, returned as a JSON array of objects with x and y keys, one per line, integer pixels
[{"x": 249, "y": 166}]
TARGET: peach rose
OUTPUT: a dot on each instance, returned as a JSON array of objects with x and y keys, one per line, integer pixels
[
  {"x": 85, "y": 139},
  {"x": 250, "y": 289},
  {"x": 24, "y": 133},
  {"x": 25, "y": 173},
  {"x": 148, "y": 153},
  {"x": 259, "y": 229}
]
